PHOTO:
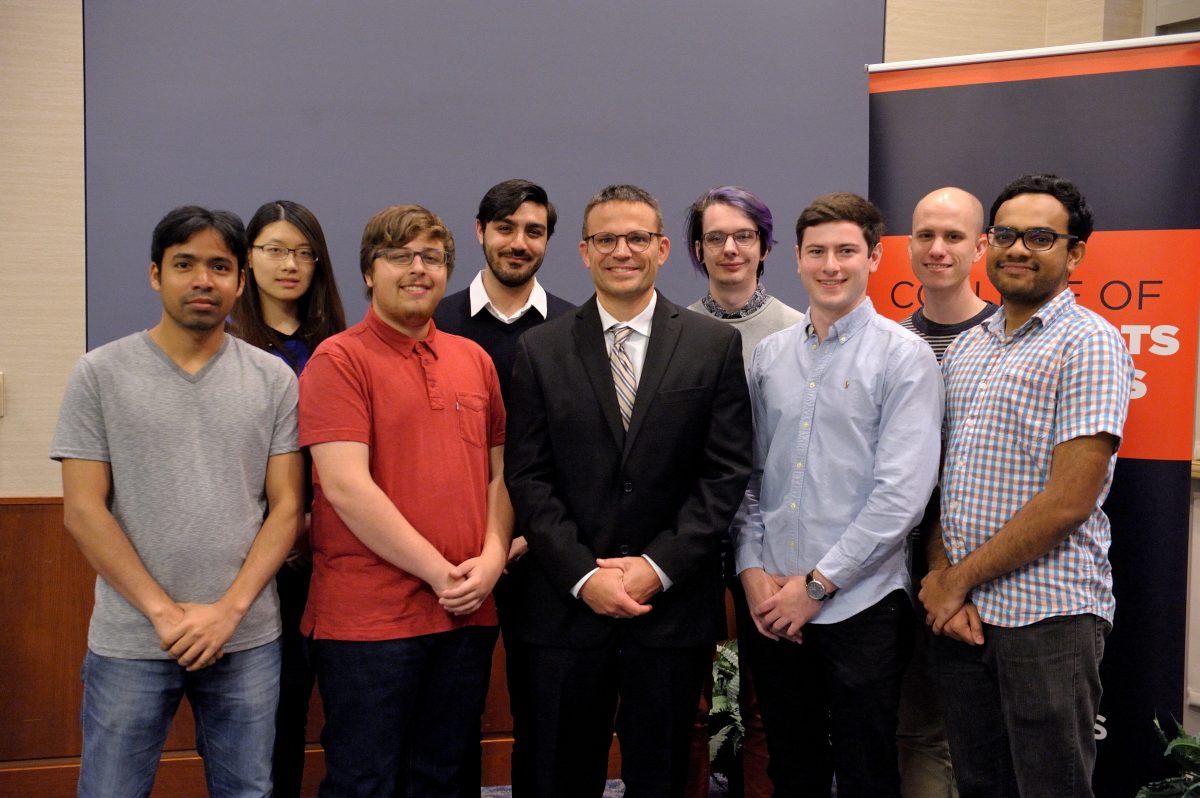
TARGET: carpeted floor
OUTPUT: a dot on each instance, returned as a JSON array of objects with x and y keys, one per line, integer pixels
[{"x": 614, "y": 789}]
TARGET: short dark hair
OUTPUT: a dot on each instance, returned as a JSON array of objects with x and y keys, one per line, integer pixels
[
  {"x": 622, "y": 192},
  {"x": 842, "y": 206},
  {"x": 503, "y": 199},
  {"x": 395, "y": 226},
  {"x": 185, "y": 221},
  {"x": 320, "y": 309},
  {"x": 1079, "y": 221},
  {"x": 735, "y": 197}
]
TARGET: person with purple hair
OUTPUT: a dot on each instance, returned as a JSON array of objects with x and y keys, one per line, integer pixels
[
  {"x": 729, "y": 237},
  {"x": 728, "y": 230}
]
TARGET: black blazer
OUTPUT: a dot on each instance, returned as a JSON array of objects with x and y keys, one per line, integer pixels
[{"x": 583, "y": 488}]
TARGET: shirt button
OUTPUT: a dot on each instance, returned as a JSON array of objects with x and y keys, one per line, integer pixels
[
  {"x": 842, "y": 340},
  {"x": 805, "y": 425},
  {"x": 628, "y": 487},
  {"x": 791, "y": 544},
  {"x": 812, "y": 385},
  {"x": 799, "y": 466},
  {"x": 792, "y": 506},
  {"x": 814, "y": 346}
]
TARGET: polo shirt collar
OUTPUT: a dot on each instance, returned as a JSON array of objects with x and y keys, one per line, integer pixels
[{"x": 399, "y": 341}]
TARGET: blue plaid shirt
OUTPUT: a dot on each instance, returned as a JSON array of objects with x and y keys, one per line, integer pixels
[{"x": 1010, "y": 399}]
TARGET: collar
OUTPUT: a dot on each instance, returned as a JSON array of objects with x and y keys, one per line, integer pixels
[
  {"x": 480, "y": 301},
  {"x": 1054, "y": 308},
  {"x": 847, "y": 325},
  {"x": 754, "y": 305},
  {"x": 640, "y": 323},
  {"x": 399, "y": 341}
]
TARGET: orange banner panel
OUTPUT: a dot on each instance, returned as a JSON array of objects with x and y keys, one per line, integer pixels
[
  {"x": 1147, "y": 284},
  {"x": 1050, "y": 66}
]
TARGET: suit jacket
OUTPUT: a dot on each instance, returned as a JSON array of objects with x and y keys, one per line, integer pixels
[{"x": 583, "y": 487}]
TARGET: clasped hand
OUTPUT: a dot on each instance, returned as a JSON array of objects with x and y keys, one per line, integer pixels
[{"x": 621, "y": 587}]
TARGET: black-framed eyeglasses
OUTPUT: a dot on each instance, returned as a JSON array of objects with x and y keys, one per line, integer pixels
[
  {"x": 432, "y": 258},
  {"x": 636, "y": 240},
  {"x": 280, "y": 252},
  {"x": 715, "y": 239},
  {"x": 1036, "y": 239}
]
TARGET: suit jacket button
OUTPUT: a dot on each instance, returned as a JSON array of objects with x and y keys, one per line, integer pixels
[
  {"x": 629, "y": 487},
  {"x": 624, "y": 550}
]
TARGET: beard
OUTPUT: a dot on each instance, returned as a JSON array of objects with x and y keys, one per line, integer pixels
[{"x": 511, "y": 278}]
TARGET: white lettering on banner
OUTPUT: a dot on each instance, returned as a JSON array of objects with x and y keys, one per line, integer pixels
[{"x": 1163, "y": 343}]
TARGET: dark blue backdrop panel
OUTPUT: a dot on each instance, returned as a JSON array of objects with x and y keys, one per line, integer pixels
[
  {"x": 1118, "y": 134},
  {"x": 348, "y": 107}
]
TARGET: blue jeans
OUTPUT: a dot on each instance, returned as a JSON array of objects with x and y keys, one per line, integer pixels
[
  {"x": 128, "y": 705},
  {"x": 1021, "y": 708},
  {"x": 400, "y": 714}
]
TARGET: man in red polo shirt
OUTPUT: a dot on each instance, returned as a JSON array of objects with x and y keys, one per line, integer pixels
[{"x": 411, "y": 522}]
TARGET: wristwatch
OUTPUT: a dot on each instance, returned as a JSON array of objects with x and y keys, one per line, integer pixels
[{"x": 815, "y": 589}]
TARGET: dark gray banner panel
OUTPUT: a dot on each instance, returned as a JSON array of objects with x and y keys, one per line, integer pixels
[{"x": 349, "y": 107}]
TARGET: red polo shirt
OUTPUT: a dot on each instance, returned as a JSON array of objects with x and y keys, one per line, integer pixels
[{"x": 429, "y": 411}]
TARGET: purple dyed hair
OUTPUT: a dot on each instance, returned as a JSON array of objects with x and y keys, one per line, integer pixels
[{"x": 735, "y": 197}]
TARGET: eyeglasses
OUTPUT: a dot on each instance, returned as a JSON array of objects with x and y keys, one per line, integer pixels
[
  {"x": 636, "y": 240},
  {"x": 279, "y": 252},
  {"x": 432, "y": 258},
  {"x": 715, "y": 239},
  {"x": 1036, "y": 239}
]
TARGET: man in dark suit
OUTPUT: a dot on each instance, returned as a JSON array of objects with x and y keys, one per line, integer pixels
[{"x": 627, "y": 457}]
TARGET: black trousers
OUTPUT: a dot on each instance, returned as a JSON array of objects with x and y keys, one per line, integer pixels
[
  {"x": 830, "y": 704},
  {"x": 651, "y": 693}
]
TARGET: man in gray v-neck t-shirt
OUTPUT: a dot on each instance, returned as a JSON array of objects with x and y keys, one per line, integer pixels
[{"x": 182, "y": 486}]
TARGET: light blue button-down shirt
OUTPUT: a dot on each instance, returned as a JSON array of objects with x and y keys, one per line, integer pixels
[{"x": 847, "y": 442}]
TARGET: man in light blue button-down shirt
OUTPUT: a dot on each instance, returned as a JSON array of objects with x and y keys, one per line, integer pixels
[{"x": 847, "y": 415}]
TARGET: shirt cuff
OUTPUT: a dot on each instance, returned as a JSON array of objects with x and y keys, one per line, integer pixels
[
  {"x": 662, "y": 577},
  {"x": 579, "y": 585}
]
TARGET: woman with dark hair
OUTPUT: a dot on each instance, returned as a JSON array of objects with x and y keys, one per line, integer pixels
[
  {"x": 289, "y": 306},
  {"x": 291, "y": 302}
]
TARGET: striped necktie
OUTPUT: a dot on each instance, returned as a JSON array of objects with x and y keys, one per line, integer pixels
[{"x": 622, "y": 371}]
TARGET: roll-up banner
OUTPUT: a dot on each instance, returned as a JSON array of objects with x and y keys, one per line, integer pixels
[{"x": 1122, "y": 120}]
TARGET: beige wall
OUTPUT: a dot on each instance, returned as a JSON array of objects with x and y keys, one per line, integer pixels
[
  {"x": 938, "y": 28},
  {"x": 41, "y": 231}
]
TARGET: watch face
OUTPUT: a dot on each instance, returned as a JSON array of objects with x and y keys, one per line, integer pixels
[{"x": 816, "y": 591}]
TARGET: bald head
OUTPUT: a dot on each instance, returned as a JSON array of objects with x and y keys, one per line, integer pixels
[
  {"x": 953, "y": 200},
  {"x": 947, "y": 238}
]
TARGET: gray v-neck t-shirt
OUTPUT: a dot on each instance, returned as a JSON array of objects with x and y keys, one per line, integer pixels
[{"x": 189, "y": 455}]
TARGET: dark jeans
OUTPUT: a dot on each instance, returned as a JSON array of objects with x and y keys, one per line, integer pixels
[
  {"x": 401, "y": 711},
  {"x": 1021, "y": 708},
  {"x": 296, "y": 679},
  {"x": 830, "y": 703},
  {"x": 571, "y": 723},
  {"x": 470, "y": 778}
]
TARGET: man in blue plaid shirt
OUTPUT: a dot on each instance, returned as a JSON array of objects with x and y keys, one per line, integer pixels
[{"x": 1020, "y": 584}]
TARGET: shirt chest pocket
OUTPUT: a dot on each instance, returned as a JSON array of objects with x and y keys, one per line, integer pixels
[
  {"x": 1026, "y": 399},
  {"x": 471, "y": 409}
]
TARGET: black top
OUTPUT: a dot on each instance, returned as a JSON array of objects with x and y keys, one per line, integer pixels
[{"x": 499, "y": 340}]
